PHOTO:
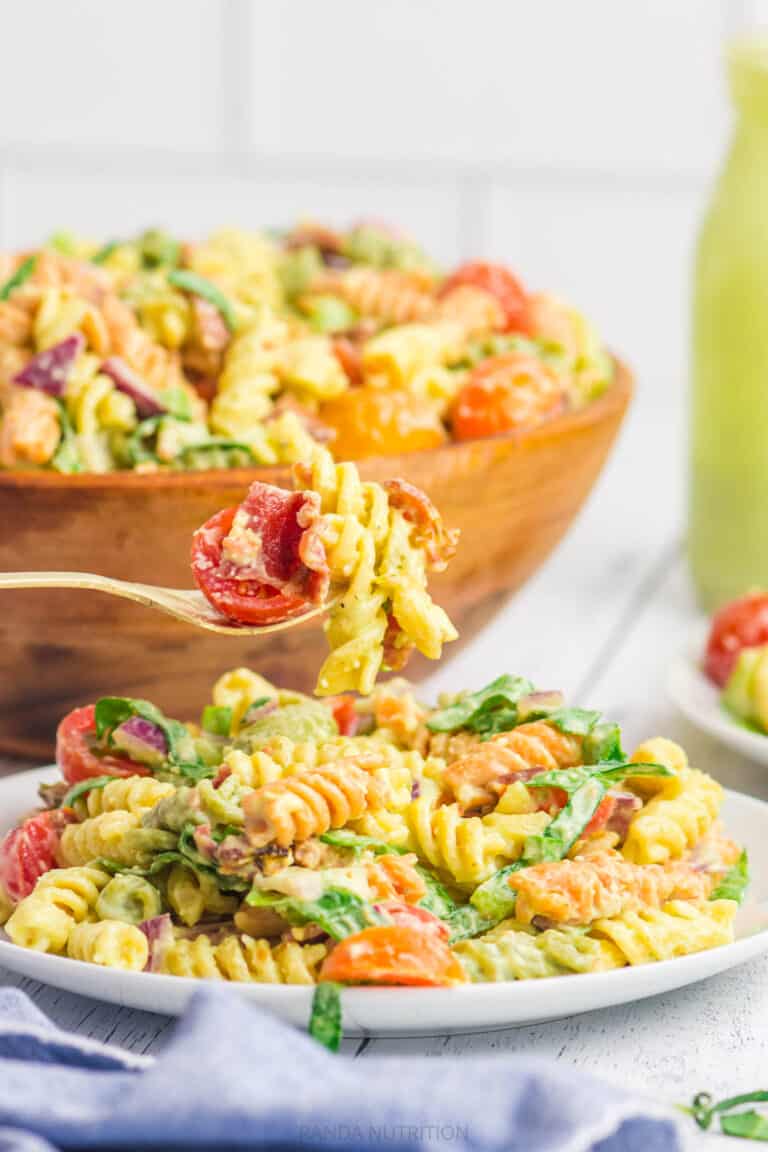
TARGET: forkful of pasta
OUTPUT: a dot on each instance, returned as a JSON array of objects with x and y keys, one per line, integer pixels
[{"x": 357, "y": 551}]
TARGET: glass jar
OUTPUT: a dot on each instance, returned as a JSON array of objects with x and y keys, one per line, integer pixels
[{"x": 728, "y": 532}]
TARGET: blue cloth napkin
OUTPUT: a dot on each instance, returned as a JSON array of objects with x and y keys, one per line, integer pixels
[{"x": 234, "y": 1077}]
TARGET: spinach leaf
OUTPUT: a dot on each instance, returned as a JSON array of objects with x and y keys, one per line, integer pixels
[
  {"x": 83, "y": 786},
  {"x": 575, "y": 721},
  {"x": 216, "y": 453},
  {"x": 735, "y": 882},
  {"x": 217, "y": 720},
  {"x": 494, "y": 898},
  {"x": 325, "y": 1018},
  {"x": 490, "y": 710},
  {"x": 344, "y": 838},
  {"x": 206, "y": 290},
  {"x": 750, "y": 1125},
  {"x": 437, "y": 899},
  {"x": 467, "y": 921},
  {"x": 569, "y": 779},
  {"x": 66, "y": 458},
  {"x": 19, "y": 277},
  {"x": 338, "y": 912},
  {"x": 105, "y": 252}
]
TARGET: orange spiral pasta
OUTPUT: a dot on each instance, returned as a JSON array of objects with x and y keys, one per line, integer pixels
[
  {"x": 478, "y": 779},
  {"x": 602, "y": 886},
  {"x": 389, "y": 295},
  {"x": 310, "y": 803}
]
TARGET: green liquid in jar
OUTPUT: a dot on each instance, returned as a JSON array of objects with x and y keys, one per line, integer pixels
[{"x": 728, "y": 536}]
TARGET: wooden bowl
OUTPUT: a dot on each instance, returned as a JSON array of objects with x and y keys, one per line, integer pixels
[{"x": 513, "y": 498}]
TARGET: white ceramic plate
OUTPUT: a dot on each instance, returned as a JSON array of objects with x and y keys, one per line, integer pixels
[
  {"x": 699, "y": 701},
  {"x": 413, "y": 1011}
]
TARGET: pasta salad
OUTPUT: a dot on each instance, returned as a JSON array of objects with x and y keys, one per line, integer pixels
[
  {"x": 367, "y": 546},
  {"x": 248, "y": 348},
  {"x": 499, "y": 836}
]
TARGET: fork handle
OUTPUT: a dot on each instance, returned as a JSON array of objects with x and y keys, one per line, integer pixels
[{"x": 86, "y": 580}]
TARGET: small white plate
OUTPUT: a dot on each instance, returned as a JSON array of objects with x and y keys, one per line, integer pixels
[
  {"x": 418, "y": 1011},
  {"x": 699, "y": 701}
]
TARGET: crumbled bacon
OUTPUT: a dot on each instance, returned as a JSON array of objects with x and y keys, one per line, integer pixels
[
  {"x": 396, "y": 654},
  {"x": 283, "y": 549},
  {"x": 439, "y": 542}
]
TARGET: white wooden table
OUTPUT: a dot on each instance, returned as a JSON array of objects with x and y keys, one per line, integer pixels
[{"x": 601, "y": 621}]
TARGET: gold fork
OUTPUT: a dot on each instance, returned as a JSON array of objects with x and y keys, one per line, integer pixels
[{"x": 181, "y": 603}]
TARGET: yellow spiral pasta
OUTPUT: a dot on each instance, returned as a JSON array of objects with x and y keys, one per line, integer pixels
[
  {"x": 509, "y": 953},
  {"x": 678, "y": 929},
  {"x": 116, "y": 836},
  {"x": 243, "y": 959},
  {"x": 399, "y": 356},
  {"x": 673, "y": 820},
  {"x": 61, "y": 899},
  {"x": 110, "y": 943},
  {"x": 311, "y": 803},
  {"x": 134, "y": 794},
  {"x": 243, "y": 264},
  {"x": 192, "y": 895},
  {"x": 469, "y": 849},
  {"x": 372, "y": 555},
  {"x": 308, "y": 367}
]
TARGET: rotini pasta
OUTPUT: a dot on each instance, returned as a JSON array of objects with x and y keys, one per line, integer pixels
[
  {"x": 215, "y": 338},
  {"x": 110, "y": 943},
  {"x": 278, "y": 842},
  {"x": 677, "y": 929},
  {"x": 115, "y": 836},
  {"x": 242, "y": 959},
  {"x": 61, "y": 899},
  {"x": 510, "y": 953}
]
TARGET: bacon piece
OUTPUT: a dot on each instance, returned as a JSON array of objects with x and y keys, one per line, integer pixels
[
  {"x": 396, "y": 655},
  {"x": 273, "y": 540},
  {"x": 439, "y": 542}
]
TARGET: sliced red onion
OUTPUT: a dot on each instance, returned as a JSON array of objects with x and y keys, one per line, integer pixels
[
  {"x": 142, "y": 740},
  {"x": 159, "y": 933},
  {"x": 539, "y": 704},
  {"x": 48, "y": 371},
  {"x": 258, "y": 712},
  {"x": 127, "y": 381},
  {"x": 415, "y": 790},
  {"x": 625, "y": 806}
]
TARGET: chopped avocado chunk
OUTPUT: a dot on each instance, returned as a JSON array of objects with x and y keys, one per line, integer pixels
[{"x": 738, "y": 695}]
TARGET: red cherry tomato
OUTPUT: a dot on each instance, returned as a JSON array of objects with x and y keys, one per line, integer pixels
[
  {"x": 245, "y": 601},
  {"x": 75, "y": 756},
  {"x": 741, "y": 624},
  {"x": 344, "y": 713},
  {"x": 27, "y": 852},
  {"x": 415, "y": 917},
  {"x": 601, "y": 816},
  {"x": 498, "y": 281},
  {"x": 506, "y": 393},
  {"x": 393, "y": 954}
]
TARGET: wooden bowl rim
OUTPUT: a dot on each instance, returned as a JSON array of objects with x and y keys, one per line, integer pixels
[{"x": 612, "y": 402}]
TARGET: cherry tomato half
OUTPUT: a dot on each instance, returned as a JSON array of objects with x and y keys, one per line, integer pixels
[
  {"x": 344, "y": 713},
  {"x": 75, "y": 756},
  {"x": 245, "y": 601},
  {"x": 498, "y": 281},
  {"x": 505, "y": 393},
  {"x": 741, "y": 624},
  {"x": 393, "y": 954},
  {"x": 27, "y": 852}
]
